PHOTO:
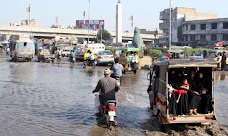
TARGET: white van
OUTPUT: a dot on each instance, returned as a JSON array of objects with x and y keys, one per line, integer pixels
[{"x": 96, "y": 47}]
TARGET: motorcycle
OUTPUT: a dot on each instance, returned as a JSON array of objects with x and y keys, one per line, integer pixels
[
  {"x": 109, "y": 113},
  {"x": 72, "y": 60},
  {"x": 91, "y": 63},
  {"x": 118, "y": 81},
  {"x": 58, "y": 57}
]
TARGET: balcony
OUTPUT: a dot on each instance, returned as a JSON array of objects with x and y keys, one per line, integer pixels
[
  {"x": 164, "y": 16},
  {"x": 163, "y": 26}
]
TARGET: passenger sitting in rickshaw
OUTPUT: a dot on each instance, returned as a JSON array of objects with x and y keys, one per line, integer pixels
[
  {"x": 193, "y": 96},
  {"x": 180, "y": 106},
  {"x": 128, "y": 60}
]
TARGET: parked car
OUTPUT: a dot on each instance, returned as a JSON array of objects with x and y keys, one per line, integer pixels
[{"x": 105, "y": 57}]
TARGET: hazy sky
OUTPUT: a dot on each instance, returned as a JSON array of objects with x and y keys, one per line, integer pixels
[{"x": 146, "y": 12}]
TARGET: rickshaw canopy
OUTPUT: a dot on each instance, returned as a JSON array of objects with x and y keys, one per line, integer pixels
[
  {"x": 129, "y": 49},
  {"x": 176, "y": 63}
]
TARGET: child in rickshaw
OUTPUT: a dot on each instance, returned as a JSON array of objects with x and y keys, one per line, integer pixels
[
  {"x": 183, "y": 89},
  {"x": 182, "y": 100}
]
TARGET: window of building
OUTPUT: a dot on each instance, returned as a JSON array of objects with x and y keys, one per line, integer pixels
[
  {"x": 213, "y": 38},
  {"x": 214, "y": 26},
  {"x": 193, "y": 27},
  {"x": 186, "y": 28},
  {"x": 202, "y": 37},
  {"x": 202, "y": 26},
  {"x": 192, "y": 37},
  {"x": 225, "y": 25},
  {"x": 225, "y": 37}
]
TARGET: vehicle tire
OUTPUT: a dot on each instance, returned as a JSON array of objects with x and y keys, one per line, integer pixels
[
  {"x": 15, "y": 59},
  {"x": 135, "y": 71},
  {"x": 93, "y": 65},
  {"x": 124, "y": 72},
  {"x": 84, "y": 64},
  {"x": 159, "y": 117}
]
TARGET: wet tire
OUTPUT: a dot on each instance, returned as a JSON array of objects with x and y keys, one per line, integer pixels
[
  {"x": 84, "y": 64},
  {"x": 93, "y": 65},
  {"x": 124, "y": 72},
  {"x": 15, "y": 59}
]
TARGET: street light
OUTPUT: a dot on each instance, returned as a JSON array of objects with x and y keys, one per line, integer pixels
[
  {"x": 155, "y": 35},
  {"x": 170, "y": 25},
  {"x": 88, "y": 22}
]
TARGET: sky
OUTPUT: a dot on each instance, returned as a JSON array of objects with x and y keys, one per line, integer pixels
[{"x": 145, "y": 12}]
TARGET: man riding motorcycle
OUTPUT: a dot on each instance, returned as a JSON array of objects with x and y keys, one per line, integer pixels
[
  {"x": 91, "y": 58},
  {"x": 72, "y": 56},
  {"x": 58, "y": 54},
  {"x": 107, "y": 88},
  {"x": 117, "y": 69}
]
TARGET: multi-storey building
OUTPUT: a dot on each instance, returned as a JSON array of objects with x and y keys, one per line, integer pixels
[
  {"x": 205, "y": 31},
  {"x": 178, "y": 16}
]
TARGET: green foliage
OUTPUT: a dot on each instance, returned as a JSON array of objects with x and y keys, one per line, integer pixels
[
  {"x": 193, "y": 52},
  {"x": 113, "y": 49},
  {"x": 147, "y": 50},
  {"x": 153, "y": 52},
  {"x": 105, "y": 35}
]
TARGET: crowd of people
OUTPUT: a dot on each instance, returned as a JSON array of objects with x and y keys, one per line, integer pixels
[
  {"x": 221, "y": 59},
  {"x": 191, "y": 96}
]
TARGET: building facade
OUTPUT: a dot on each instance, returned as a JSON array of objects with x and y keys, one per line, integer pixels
[
  {"x": 205, "y": 32},
  {"x": 178, "y": 16}
]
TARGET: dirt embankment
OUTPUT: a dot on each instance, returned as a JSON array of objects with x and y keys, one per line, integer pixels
[{"x": 152, "y": 128}]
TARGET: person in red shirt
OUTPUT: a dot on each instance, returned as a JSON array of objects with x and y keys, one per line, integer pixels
[{"x": 184, "y": 87}]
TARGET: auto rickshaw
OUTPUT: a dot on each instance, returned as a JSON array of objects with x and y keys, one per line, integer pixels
[
  {"x": 165, "y": 76},
  {"x": 126, "y": 55},
  {"x": 83, "y": 53},
  {"x": 45, "y": 55}
]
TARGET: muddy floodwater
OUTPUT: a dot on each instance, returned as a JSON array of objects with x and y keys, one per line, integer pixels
[{"x": 45, "y": 99}]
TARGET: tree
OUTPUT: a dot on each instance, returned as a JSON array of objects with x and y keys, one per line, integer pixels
[{"x": 104, "y": 34}]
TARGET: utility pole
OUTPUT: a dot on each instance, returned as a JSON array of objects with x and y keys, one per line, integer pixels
[
  {"x": 170, "y": 25},
  {"x": 29, "y": 11},
  {"x": 101, "y": 30},
  {"x": 88, "y": 23},
  {"x": 56, "y": 21}
]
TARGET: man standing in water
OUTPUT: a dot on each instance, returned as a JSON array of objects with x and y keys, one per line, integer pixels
[{"x": 107, "y": 87}]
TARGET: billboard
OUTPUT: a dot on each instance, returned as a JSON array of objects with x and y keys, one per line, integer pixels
[{"x": 91, "y": 24}]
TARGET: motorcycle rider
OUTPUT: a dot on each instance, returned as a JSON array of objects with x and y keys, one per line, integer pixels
[
  {"x": 107, "y": 88},
  {"x": 72, "y": 56},
  {"x": 91, "y": 57},
  {"x": 58, "y": 54},
  {"x": 117, "y": 69}
]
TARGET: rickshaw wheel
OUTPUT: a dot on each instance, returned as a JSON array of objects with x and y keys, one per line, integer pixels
[{"x": 124, "y": 72}]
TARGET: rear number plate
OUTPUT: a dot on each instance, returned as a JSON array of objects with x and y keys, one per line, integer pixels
[{"x": 111, "y": 113}]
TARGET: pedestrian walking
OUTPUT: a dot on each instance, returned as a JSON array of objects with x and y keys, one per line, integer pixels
[{"x": 223, "y": 61}]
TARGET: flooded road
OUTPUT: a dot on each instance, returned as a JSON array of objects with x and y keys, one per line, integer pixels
[{"x": 55, "y": 99}]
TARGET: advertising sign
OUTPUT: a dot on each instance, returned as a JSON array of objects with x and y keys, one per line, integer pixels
[{"x": 90, "y": 24}]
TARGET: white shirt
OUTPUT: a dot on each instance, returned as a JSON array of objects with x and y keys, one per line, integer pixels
[
  {"x": 91, "y": 57},
  {"x": 135, "y": 59},
  {"x": 219, "y": 59}
]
